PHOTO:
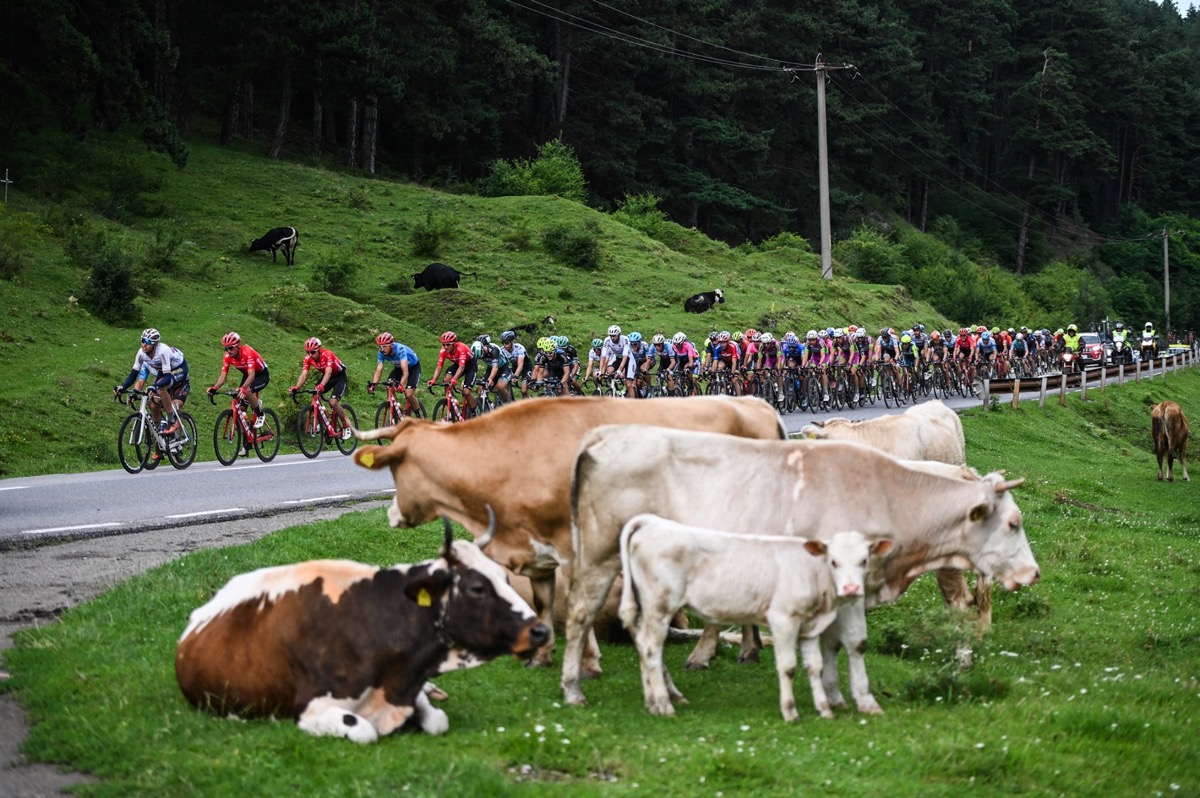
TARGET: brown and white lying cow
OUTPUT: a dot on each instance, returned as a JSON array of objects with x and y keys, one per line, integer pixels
[
  {"x": 937, "y": 515},
  {"x": 346, "y": 648},
  {"x": 519, "y": 460},
  {"x": 793, "y": 585},
  {"x": 928, "y": 431},
  {"x": 1169, "y": 429}
]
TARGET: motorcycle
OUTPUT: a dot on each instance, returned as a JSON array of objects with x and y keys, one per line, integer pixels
[
  {"x": 1121, "y": 352},
  {"x": 1070, "y": 362},
  {"x": 1149, "y": 347}
]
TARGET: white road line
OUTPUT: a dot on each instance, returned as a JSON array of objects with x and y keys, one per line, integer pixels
[
  {"x": 318, "y": 499},
  {"x": 67, "y": 528},
  {"x": 17, "y": 487},
  {"x": 208, "y": 512},
  {"x": 260, "y": 465}
]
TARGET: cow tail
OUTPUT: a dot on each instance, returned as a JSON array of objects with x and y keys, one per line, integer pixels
[{"x": 629, "y": 599}]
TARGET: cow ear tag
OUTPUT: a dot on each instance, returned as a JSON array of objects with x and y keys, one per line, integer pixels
[
  {"x": 424, "y": 599},
  {"x": 368, "y": 459}
]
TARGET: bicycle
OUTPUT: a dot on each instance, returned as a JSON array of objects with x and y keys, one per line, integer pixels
[
  {"x": 448, "y": 408},
  {"x": 139, "y": 438},
  {"x": 392, "y": 411},
  {"x": 316, "y": 426},
  {"x": 234, "y": 432}
]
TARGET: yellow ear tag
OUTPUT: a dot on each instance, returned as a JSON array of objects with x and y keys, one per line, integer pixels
[
  {"x": 367, "y": 459},
  {"x": 424, "y": 599}
]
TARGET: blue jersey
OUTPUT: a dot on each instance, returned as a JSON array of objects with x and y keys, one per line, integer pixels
[
  {"x": 400, "y": 354},
  {"x": 794, "y": 350}
]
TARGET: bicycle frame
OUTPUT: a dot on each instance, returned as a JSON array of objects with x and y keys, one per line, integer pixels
[
  {"x": 315, "y": 425},
  {"x": 144, "y": 439}
]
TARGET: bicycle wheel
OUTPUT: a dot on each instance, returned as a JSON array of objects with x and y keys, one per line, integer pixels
[
  {"x": 227, "y": 438},
  {"x": 888, "y": 388},
  {"x": 814, "y": 394},
  {"x": 133, "y": 446},
  {"x": 346, "y": 445},
  {"x": 384, "y": 416},
  {"x": 181, "y": 448},
  {"x": 266, "y": 437},
  {"x": 439, "y": 411},
  {"x": 309, "y": 434}
]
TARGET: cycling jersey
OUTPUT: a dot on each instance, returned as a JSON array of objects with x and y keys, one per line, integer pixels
[
  {"x": 1019, "y": 349},
  {"x": 664, "y": 355},
  {"x": 728, "y": 353},
  {"x": 887, "y": 346},
  {"x": 612, "y": 351},
  {"x": 518, "y": 360},
  {"x": 325, "y": 359},
  {"x": 166, "y": 363},
  {"x": 637, "y": 353},
  {"x": 686, "y": 353},
  {"x": 245, "y": 359},
  {"x": 400, "y": 353},
  {"x": 770, "y": 354},
  {"x": 793, "y": 351},
  {"x": 554, "y": 363},
  {"x": 750, "y": 352},
  {"x": 460, "y": 354},
  {"x": 492, "y": 358}
]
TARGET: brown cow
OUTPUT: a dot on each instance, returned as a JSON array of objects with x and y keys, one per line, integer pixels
[
  {"x": 1169, "y": 428},
  {"x": 520, "y": 460}
]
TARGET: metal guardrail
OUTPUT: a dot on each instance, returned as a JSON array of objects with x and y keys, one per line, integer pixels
[{"x": 1167, "y": 362}]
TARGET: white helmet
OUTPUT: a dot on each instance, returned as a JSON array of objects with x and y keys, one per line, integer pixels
[
  {"x": 658, "y": 339},
  {"x": 678, "y": 338},
  {"x": 150, "y": 336},
  {"x": 614, "y": 330},
  {"x": 767, "y": 338}
]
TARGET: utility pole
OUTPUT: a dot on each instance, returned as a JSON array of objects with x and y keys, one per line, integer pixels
[{"x": 1166, "y": 283}]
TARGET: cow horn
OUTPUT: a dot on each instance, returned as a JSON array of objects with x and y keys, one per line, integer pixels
[
  {"x": 446, "y": 551},
  {"x": 487, "y": 536},
  {"x": 819, "y": 423},
  {"x": 1009, "y": 485}
]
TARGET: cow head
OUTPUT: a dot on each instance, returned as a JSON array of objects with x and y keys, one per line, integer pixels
[
  {"x": 996, "y": 542},
  {"x": 847, "y": 554},
  {"x": 720, "y": 295}
]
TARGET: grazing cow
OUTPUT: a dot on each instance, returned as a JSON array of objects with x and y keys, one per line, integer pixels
[
  {"x": 794, "y": 585},
  {"x": 279, "y": 238},
  {"x": 937, "y": 515},
  {"x": 533, "y": 327},
  {"x": 437, "y": 276},
  {"x": 928, "y": 431},
  {"x": 346, "y": 648},
  {"x": 519, "y": 460},
  {"x": 702, "y": 302},
  {"x": 1169, "y": 428}
]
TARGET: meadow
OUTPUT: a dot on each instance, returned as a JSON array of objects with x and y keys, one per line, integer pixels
[{"x": 1087, "y": 685}]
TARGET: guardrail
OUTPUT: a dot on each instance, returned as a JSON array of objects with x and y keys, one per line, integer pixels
[{"x": 1169, "y": 361}]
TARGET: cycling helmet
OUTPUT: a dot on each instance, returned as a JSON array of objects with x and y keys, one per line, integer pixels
[
  {"x": 546, "y": 345},
  {"x": 563, "y": 340},
  {"x": 658, "y": 339},
  {"x": 508, "y": 335},
  {"x": 151, "y": 336},
  {"x": 312, "y": 344},
  {"x": 723, "y": 336},
  {"x": 635, "y": 337},
  {"x": 935, "y": 335},
  {"x": 906, "y": 339},
  {"x": 790, "y": 337},
  {"x": 862, "y": 333},
  {"x": 1059, "y": 331},
  {"x": 829, "y": 331},
  {"x": 986, "y": 335},
  {"x": 233, "y": 339},
  {"x": 766, "y": 338},
  {"x": 1025, "y": 329},
  {"x": 963, "y": 331},
  {"x": 384, "y": 338},
  {"x": 597, "y": 343},
  {"x": 839, "y": 333},
  {"x": 751, "y": 332},
  {"x": 1020, "y": 336},
  {"x": 739, "y": 335},
  {"x": 996, "y": 330},
  {"x": 614, "y": 330},
  {"x": 477, "y": 349},
  {"x": 810, "y": 334},
  {"x": 852, "y": 329},
  {"x": 485, "y": 339},
  {"x": 920, "y": 328},
  {"x": 678, "y": 338},
  {"x": 712, "y": 336},
  {"x": 891, "y": 330},
  {"x": 449, "y": 337},
  {"x": 1011, "y": 331}
]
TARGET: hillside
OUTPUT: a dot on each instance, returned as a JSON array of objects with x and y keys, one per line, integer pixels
[{"x": 60, "y": 416}]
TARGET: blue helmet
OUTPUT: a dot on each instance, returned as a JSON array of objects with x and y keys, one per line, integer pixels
[{"x": 635, "y": 337}]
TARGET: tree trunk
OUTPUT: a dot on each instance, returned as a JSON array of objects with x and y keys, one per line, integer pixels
[
  {"x": 370, "y": 137},
  {"x": 418, "y": 161},
  {"x": 1023, "y": 234},
  {"x": 285, "y": 110},
  {"x": 924, "y": 218},
  {"x": 318, "y": 122},
  {"x": 352, "y": 134}
]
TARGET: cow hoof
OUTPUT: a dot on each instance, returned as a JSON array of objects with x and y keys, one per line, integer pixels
[
  {"x": 574, "y": 698},
  {"x": 699, "y": 665},
  {"x": 748, "y": 657},
  {"x": 590, "y": 672},
  {"x": 870, "y": 708},
  {"x": 435, "y": 693},
  {"x": 540, "y": 662},
  {"x": 826, "y": 714}
]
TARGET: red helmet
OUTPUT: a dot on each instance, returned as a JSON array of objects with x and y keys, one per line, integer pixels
[
  {"x": 312, "y": 344},
  {"x": 231, "y": 339},
  {"x": 384, "y": 338},
  {"x": 963, "y": 331},
  {"x": 449, "y": 337}
]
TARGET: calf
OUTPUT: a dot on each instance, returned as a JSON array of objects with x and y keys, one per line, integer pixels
[
  {"x": 1169, "y": 428},
  {"x": 439, "y": 275},
  {"x": 346, "y": 648},
  {"x": 279, "y": 238},
  {"x": 702, "y": 302},
  {"x": 794, "y": 585}
]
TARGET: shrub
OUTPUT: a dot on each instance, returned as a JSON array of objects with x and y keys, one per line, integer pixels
[
  {"x": 19, "y": 233},
  {"x": 641, "y": 212},
  {"x": 519, "y": 236},
  {"x": 333, "y": 277},
  {"x": 428, "y": 236},
  {"x": 574, "y": 247},
  {"x": 555, "y": 170},
  {"x": 111, "y": 291}
]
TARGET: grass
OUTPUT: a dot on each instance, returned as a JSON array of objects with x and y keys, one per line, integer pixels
[
  {"x": 1086, "y": 686},
  {"x": 59, "y": 417}
]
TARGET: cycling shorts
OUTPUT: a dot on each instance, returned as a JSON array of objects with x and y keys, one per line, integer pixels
[
  {"x": 176, "y": 381},
  {"x": 414, "y": 376},
  {"x": 261, "y": 379},
  {"x": 336, "y": 385}
]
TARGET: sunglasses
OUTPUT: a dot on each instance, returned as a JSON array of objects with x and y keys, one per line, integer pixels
[
  {"x": 147, "y": 343},
  {"x": 230, "y": 348}
]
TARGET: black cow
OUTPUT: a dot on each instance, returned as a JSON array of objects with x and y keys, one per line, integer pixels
[
  {"x": 345, "y": 648},
  {"x": 702, "y": 302},
  {"x": 439, "y": 275},
  {"x": 279, "y": 238}
]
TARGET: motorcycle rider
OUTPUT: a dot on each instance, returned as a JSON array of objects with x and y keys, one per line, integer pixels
[
  {"x": 1149, "y": 342},
  {"x": 1120, "y": 338}
]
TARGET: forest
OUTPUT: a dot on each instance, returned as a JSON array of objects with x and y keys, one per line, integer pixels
[{"x": 1026, "y": 133}]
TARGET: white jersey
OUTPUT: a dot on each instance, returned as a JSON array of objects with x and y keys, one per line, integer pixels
[
  {"x": 162, "y": 360},
  {"x": 612, "y": 350}
]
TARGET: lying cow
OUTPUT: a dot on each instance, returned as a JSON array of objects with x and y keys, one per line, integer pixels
[
  {"x": 284, "y": 239},
  {"x": 794, "y": 585},
  {"x": 346, "y": 648},
  {"x": 519, "y": 460},
  {"x": 937, "y": 515},
  {"x": 1169, "y": 428},
  {"x": 438, "y": 275},
  {"x": 702, "y": 302},
  {"x": 928, "y": 431}
]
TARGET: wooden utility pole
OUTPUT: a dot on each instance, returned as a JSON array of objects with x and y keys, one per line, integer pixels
[{"x": 1166, "y": 284}]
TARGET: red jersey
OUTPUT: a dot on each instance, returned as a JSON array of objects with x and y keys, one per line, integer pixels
[
  {"x": 460, "y": 355},
  {"x": 245, "y": 360},
  {"x": 324, "y": 359}
]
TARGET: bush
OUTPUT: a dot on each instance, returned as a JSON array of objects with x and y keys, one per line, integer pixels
[
  {"x": 427, "y": 237},
  {"x": 333, "y": 277},
  {"x": 555, "y": 170},
  {"x": 519, "y": 236},
  {"x": 111, "y": 292},
  {"x": 19, "y": 233},
  {"x": 641, "y": 212},
  {"x": 574, "y": 247}
]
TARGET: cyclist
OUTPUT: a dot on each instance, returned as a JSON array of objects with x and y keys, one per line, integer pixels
[
  {"x": 406, "y": 368},
  {"x": 519, "y": 364},
  {"x": 936, "y": 348},
  {"x": 635, "y": 362},
  {"x": 710, "y": 346},
  {"x": 687, "y": 361},
  {"x": 908, "y": 356},
  {"x": 726, "y": 356},
  {"x": 495, "y": 366},
  {"x": 750, "y": 342},
  {"x": 253, "y": 369},
  {"x": 985, "y": 350},
  {"x": 572, "y": 356},
  {"x": 593, "y": 365},
  {"x": 170, "y": 370},
  {"x": 612, "y": 354},
  {"x": 332, "y": 379},
  {"x": 458, "y": 353},
  {"x": 552, "y": 365},
  {"x": 1019, "y": 349},
  {"x": 662, "y": 353},
  {"x": 819, "y": 353},
  {"x": 964, "y": 345}
]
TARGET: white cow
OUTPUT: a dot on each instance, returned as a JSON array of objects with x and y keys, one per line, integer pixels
[
  {"x": 793, "y": 585},
  {"x": 937, "y": 515}
]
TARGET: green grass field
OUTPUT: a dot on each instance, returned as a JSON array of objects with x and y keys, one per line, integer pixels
[{"x": 1088, "y": 684}]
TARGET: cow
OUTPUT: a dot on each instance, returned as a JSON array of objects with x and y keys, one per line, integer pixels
[
  {"x": 792, "y": 584},
  {"x": 929, "y": 431},
  {"x": 937, "y": 515},
  {"x": 702, "y": 302},
  {"x": 346, "y": 648},
  {"x": 278, "y": 238},
  {"x": 437, "y": 276},
  {"x": 519, "y": 460},
  {"x": 1169, "y": 429}
]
